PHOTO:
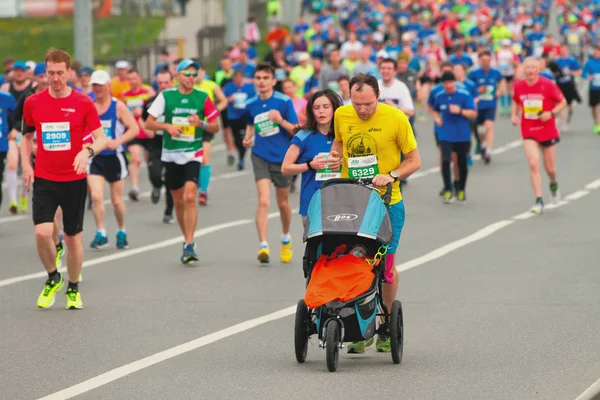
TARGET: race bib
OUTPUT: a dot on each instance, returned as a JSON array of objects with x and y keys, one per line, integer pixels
[
  {"x": 363, "y": 167},
  {"x": 239, "y": 100},
  {"x": 596, "y": 80},
  {"x": 56, "y": 136},
  {"x": 188, "y": 131},
  {"x": 107, "y": 127},
  {"x": 532, "y": 108},
  {"x": 326, "y": 173},
  {"x": 489, "y": 93},
  {"x": 264, "y": 126},
  {"x": 280, "y": 74},
  {"x": 573, "y": 39},
  {"x": 135, "y": 103},
  {"x": 333, "y": 85}
]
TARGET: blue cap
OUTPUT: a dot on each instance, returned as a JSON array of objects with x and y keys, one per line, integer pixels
[
  {"x": 20, "y": 64},
  {"x": 185, "y": 64},
  {"x": 40, "y": 69},
  {"x": 85, "y": 69}
]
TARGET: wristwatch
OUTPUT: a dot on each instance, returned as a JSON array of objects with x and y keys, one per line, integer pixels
[
  {"x": 394, "y": 175},
  {"x": 91, "y": 151}
]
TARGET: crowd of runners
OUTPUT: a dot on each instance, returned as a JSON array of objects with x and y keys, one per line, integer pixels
[{"x": 339, "y": 95}]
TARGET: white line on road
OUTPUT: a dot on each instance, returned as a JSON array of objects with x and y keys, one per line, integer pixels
[
  {"x": 169, "y": 242},
  {"x": 591, "y": 393},
  {"x": 139, "y": 250},
  {"x": 195, "y": 344}
]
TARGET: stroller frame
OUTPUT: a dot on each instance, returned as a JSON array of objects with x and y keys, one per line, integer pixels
[{"x": 332, "y": 332}]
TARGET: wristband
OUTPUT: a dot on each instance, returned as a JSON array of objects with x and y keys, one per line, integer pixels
[
  {"x": 204, "y": 124},
  {"x": 308, "y": 165}
]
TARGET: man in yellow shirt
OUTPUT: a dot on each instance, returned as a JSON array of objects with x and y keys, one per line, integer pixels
[{"x": 370, "y": 136}]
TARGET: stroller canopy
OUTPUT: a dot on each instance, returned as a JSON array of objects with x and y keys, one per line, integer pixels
[{"x": 348, "y": 209}]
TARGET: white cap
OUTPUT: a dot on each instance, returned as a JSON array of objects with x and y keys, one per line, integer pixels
[
  {"x": 382, "y": 54},
  {"x": 31, "y": 65},
  {"x": 378, "y": 36},
  {"x": 100, "y": 77},
  {"x": 122, "y": 65},
  {"x": 304, "y": 56},
  {"x": 407, "y": 36},
  {"x": 506, "y": 42}
]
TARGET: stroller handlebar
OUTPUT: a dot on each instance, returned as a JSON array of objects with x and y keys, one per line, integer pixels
[{"x": 363, "y": 182}]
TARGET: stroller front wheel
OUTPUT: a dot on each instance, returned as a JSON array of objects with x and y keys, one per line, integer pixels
[
  {"x": 397, "y": 332},
  {"x": 332, "y": 345},
  {"x": 301, "y": 331}
]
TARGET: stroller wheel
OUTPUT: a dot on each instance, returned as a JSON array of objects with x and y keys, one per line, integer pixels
[
  {"x": 301, "y": 331},
  {"x": 397, "y": 332},
  {"x": 332, "y": 345}
]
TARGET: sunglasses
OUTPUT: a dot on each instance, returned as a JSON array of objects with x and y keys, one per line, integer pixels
[{"x": 189, "y": 73}]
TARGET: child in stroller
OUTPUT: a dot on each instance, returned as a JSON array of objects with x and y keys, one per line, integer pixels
[{"x": 343, "y": 297}]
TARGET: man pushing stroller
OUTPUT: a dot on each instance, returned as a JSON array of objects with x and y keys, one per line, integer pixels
[{"x": 371, "y": 136}]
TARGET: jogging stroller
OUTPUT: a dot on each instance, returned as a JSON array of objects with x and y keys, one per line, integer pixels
[{"x": 348, "y": 212}]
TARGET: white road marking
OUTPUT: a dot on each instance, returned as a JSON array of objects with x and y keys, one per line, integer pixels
[
  {"x": 139, "y": 250},
  {"x": 593, "y": 392},
  {"x": 14, "y": 218},
  {"x": 195, "y": 344},
  {"x": 172, "y": 241},
  {"x": 577, "y": 195},
  {"x": 593, "y": 185}
]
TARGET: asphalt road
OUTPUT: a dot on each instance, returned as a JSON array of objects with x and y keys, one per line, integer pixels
[{"x": 497, "y": 305}]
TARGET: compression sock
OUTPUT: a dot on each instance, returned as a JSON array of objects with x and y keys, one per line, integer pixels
[
  {"x": 204, "y": 177},
  {"x": 503, "y": 102},
  {"x": 11, "y": 183}
]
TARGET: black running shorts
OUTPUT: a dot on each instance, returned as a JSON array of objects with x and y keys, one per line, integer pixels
[
  {"x": 70, "y": 196},
  {"x": 177, "y": 175}
]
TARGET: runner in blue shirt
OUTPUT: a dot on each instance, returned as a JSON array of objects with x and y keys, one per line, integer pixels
[
  {"x": 445, "y": 66},
  {"x": 238, "y": 93},
  {"x": 7, "y": 104},
  {"x": 565, "y": 78},
  {"x": 271, "y": 122},
  {"x": 591, "y": 71},
  {"x": 491, "y": 84},
  {"x": 310, "y": 147},
  {"x": 460, "y": 57},
  {"x": 453, "y": 108}
]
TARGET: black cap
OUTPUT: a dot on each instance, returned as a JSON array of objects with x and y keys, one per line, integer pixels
[{"x": 448, "y": 76}]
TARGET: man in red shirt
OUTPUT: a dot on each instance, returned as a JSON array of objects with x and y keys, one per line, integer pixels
[
  {"x": 61, "y": 119},
  {"x": 538, "y": 100}
]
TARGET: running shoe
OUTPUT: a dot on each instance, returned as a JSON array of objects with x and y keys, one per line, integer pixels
[
  {"x": 13, "y": 209},
  {"x": 122, "y": 240},
  {"x": 155, "y": 196},
  {"x": 286, "y": 252},
  {"x": 597, "y": 129},
  {"x": 24, "y": 204},
  {"x": 189, "y": 255},
  {"x": 462, "y": 198},
  {"x": 448, "y": 198},
  {"x": 360, "y": 347},
  {"x": 469, "y": 161},
  {"x": 538, "y": 207},
  {"x": 555, "y": 193},
  {"x": 60, "y": 252},
  {"x": 48, "y": 296},
  {"x": 73, "y": 299},
  {"x": 134, "y": 195},
  {"x": 168, "y": 219},
  {"x": 264, "y": 254},
  {"x": 241, "y": 165},
  {"x": 203, "y": 199},
  {"x": 383, "y": 344},
  {"x": 230, "y": 159},
  {"x": 485, "y": 156},
  {"x": 99, "y": 241}
]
